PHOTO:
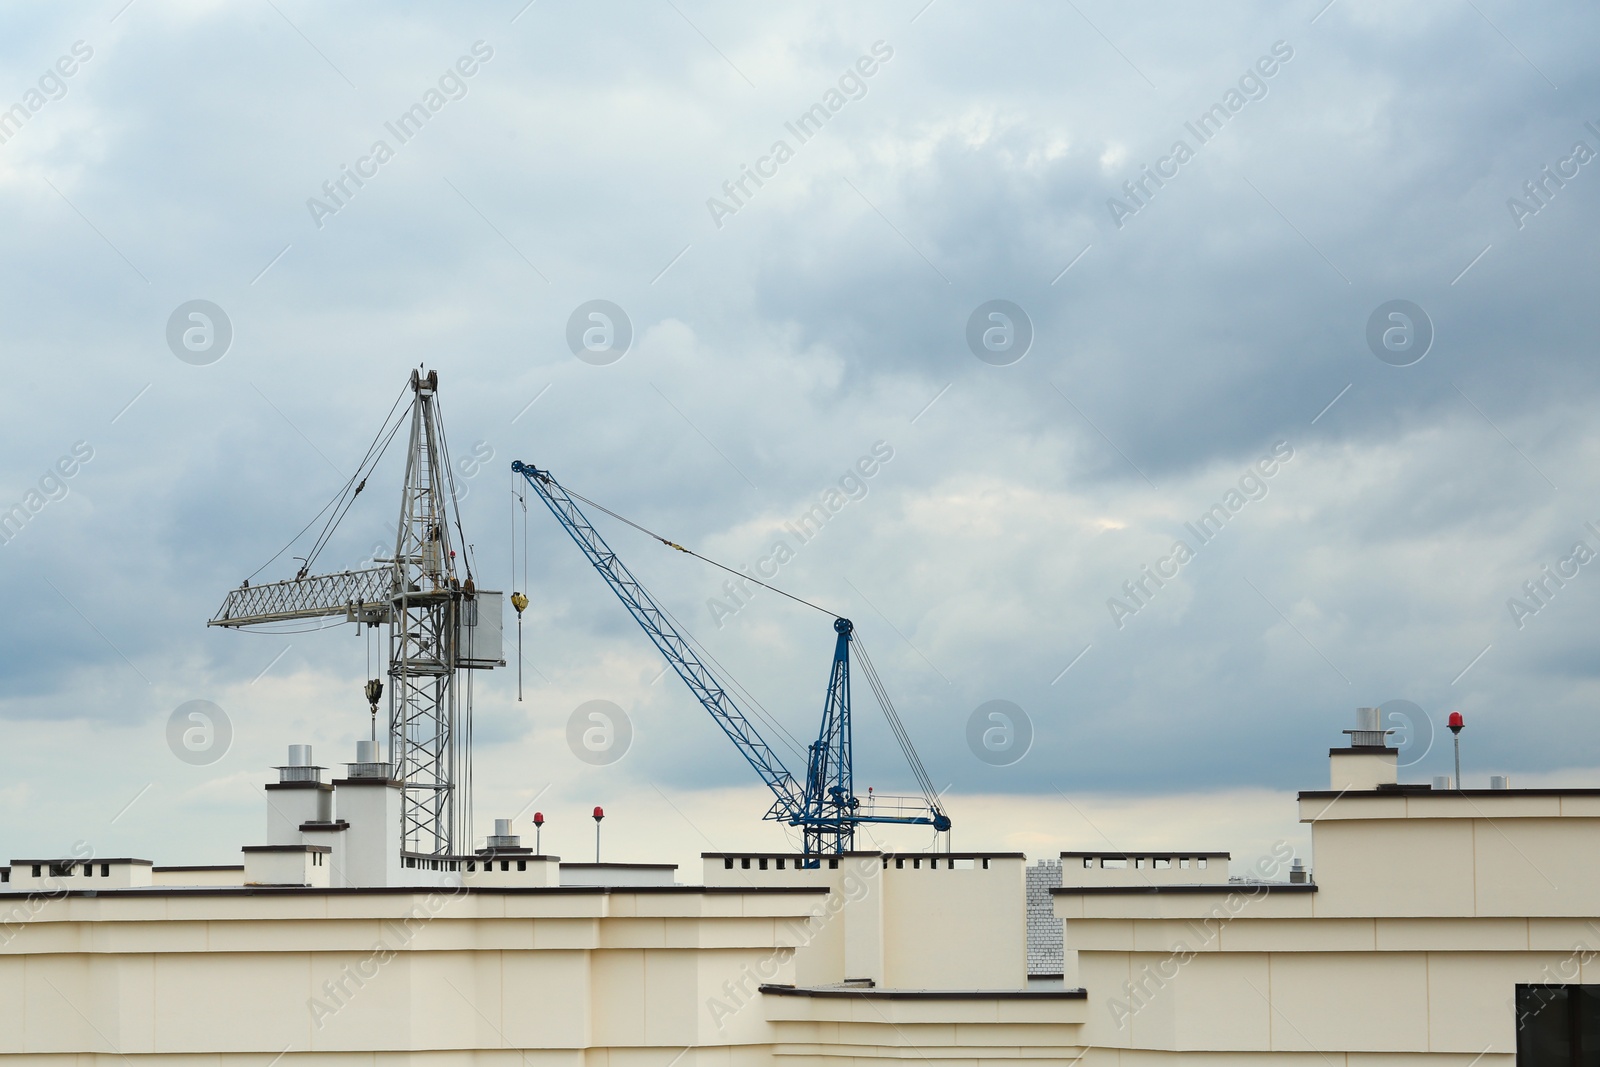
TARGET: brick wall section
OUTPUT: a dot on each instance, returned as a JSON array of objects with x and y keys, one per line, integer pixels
[{"x": 1044, "y": 929}]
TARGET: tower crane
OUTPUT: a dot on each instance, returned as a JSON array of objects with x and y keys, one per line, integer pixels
[
  {"x": 440, "y": 626},
  {"x": 825, "y": 808}
]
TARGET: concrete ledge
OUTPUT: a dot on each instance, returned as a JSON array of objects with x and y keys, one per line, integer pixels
[
  {"x": 415, "y": 890},
  {"x": 1214, "y": 888},
  {"x": 925, "y": 994}
]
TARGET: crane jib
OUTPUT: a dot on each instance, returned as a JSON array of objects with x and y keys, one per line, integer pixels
[
  {"x": 641, "y": 605},
  {"x": 826, "y": 808}
]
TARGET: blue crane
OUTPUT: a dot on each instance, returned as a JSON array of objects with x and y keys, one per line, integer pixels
[{"x": 826, "y": 808}]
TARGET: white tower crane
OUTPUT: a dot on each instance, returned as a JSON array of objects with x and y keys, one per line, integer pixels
[{"x": 440, "y": 627}]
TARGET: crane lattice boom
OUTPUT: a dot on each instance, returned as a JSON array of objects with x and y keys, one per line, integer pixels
[
  {"x": 362, "y": 594},
  {"x": 826, "y": 808},
  {"x": 789, "y": 802}
]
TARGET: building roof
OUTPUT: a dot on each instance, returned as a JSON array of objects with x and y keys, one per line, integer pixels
[
  {"x": 1208, "y": 887},
  {"x": 1186, "y": 853},
  {"x": 924, "y": 994}
]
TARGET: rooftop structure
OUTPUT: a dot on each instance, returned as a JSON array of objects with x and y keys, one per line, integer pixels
[{"x": 1435, "y": 926}]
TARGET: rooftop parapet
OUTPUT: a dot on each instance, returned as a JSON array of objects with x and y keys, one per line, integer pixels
[{"x": 1178, "y": 867}]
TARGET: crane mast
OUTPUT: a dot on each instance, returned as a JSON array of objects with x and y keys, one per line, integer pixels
[
  {"x": 425, "y": 750},
  {"x": 831, "y": 805},
  {"x": 440, "y": 625}
]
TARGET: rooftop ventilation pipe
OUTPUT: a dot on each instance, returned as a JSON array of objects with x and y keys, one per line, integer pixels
[
  {"x": 1369, "y": 731},
  {"x": 367, "y": 764},
  {"x": 299, "y": 768}
]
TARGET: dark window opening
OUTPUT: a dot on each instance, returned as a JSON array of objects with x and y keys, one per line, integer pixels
[
  {"x": 522, "y": 865},
  {"x": 36, "y": 870},
  {"x": 105, "y": 870},
  {"x": 1557, "y": 1025}
]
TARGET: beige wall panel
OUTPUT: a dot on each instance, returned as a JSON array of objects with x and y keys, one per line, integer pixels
[
  {"x": 1219, "y": 1000},
  {"x": 1163, "y": 935},
  {"x": 215, "y": 1002},
  {"x": 1352, "y": 807},
  {"x": 1298, "y": 935},
  {"x": 1472, "y": 999},
  {"x": 1102, "y": 974},
  {"x": 1139, "y": 905},
  {"x": 1562, "y": 935},
  {"x": 442, "y": 989},
  {"x": 1534, "y": 867},
  {"x": 1393, "y": 867},
  {"x": 225, "y": 905},
  {"x": 1460, "y": 935},
  {"x": 616, "y": 994},
  {"x": 1096, "y": 934},
  {"x": 565, "y": 933},
  {"x": 1205, "y": 1003},
  {"x": 727, "y": 1007},
  {"x": 14, "y": 1004},
  {"x": 366, "y": 1006},
  {"x": 629, "y": 932},
  {"x": 545, "y": 997},
  {"x": 960, "y": 929},
  {"x": 672, "y": 1011},
  {"x": 54, "y": 993},
  {"x": 149, "y": 936},
  {"x": 498, "y": 934},
  {"x": 553, "y": 903},
  {"x": 1337, "y": 1002},
  {"x": 37, "y": 937}
]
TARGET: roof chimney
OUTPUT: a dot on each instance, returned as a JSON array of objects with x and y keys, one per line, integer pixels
[
  {"x": 503, "y": 837},
  {"x": 299, "y": 768},
  {"x": 367, "y": 764},
  {"x": 1369, "y": 731},
  {"x": 1499, "y": 781},
  {"x": 1369, "y": 761}
]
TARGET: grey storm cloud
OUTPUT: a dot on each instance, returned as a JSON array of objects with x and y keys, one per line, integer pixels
[{"x": 1179, "y": 330}]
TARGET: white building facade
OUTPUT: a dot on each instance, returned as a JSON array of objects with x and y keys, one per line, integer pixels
[{"x": 1435, "y": 926}]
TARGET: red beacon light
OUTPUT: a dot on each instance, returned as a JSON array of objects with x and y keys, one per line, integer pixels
[
  {"x": 538, "y": 818},
  {"x": 599, "y": 813},
  {"x": 1456, "y": 724}
]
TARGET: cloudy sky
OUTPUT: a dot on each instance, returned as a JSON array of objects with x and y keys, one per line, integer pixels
[{"x": 1201, "y": 223}]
